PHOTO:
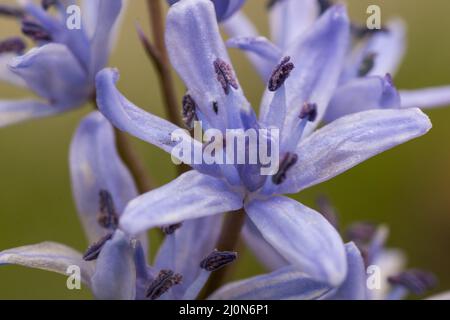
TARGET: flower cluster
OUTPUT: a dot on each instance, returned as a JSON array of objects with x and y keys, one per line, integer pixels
[{"x": 329, "y": 92}]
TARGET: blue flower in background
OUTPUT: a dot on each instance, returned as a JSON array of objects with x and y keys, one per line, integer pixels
[
  {"x": 115, "y": 265},
  {"x": 61, "y": 69},
  {"x": 372, "y": 59},
  {"x": 224, "y": 8},
  {"x": 299, "y": 90}
]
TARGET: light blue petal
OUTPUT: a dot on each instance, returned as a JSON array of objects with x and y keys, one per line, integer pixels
[
  {"x": 101, "y": 17},
  {"x": 192, "y": 195},
  {"x": 183, "y": 251},
  {"x": 354, "y": 287},
  {"x": 350, "y": 140},
  {"x": 363, "y": 94},
  {"x": 302, "y": 236},
  {"x": 239, "y": 26},
  {"x": 426, "y": 98},
  {"x": 283, "y": 284},
  {"x": 318, "y": 58},
  {"x": 290, "y": 19},
  {"x": 115, "y": 272},
  {"x": 224, "y": 8},
  {"x": 49, "y": 256},
  {"x": 6, "y": 74},
  {"x": 94, "y": 166},
  {"x": 54, "y": 74},
  {"x": 257, "y": 45},
  {"x": 14, "y": 111},
  {"x": 194, "y": 45},
  {"x": 389, "y": 48}
]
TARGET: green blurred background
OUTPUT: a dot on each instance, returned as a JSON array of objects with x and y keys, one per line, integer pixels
[{"x": 407, "y": 188}]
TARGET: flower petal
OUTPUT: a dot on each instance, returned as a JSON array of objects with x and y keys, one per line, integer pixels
[
  {"x": 14, "y": 111},
  {"x": 354, "y": 287},
  {"x": 195, "y": 47},
  {"x": 350, "y": 140},
  {"x": 53, "y": 73},
  {"x": 258, "y": 45},
  {"x": 115, "y": 270},
  {"x": 49, "y": 256},
  {"x": 290, "y": 19},
  {"x": 101, "y": 17},
  {"x": 183, "y": 251},
  {"x": 286, "y": 283},
  {"x": 94, "y": 166},
  {"x": 302, "y": 236},
  {"x": 316, "y": 71},
  {"x": 192, "y": 195},
  {"x": 391, "y": 263},
  {"x": 6, "y": 74},
  {"x": 224, "y": 8},
  {"x": 426, "y": 98},
  {"x": 363, "y": 94}
]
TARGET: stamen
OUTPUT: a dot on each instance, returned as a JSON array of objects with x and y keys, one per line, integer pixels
[
  {"x": 47, "y": 4},
  {"x": 94, "y": 250},
  {"x": 324, "y": 5},
  {"x": 367, "y": 64},
  {"x": 217, "y": 260},
  {"x": 35, "y": 31},
  {"x": 280, "y": 74},
  {"x": 10, "y": 11},
  {"x": 225, "y": 75},
  {"x": 361, "y": 232},
  {"x": 189, "y": 115},
  {"x": 170, "y": 229},
  {"x": 309, "y": 112},
  {"x": 108, "y": 217},
  {"x": 215, "y": 106},
  {"x": 165, "y": 280},
  {"x": 416, "y": 281},
  {"x": 16, "y": 45},
  {"x": 289, "y": 160}
]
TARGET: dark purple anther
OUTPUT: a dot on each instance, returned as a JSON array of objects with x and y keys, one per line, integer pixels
[
  {"x": 416, "y": 281},
  {"x": 217, "y": 260},
  {"x": 10, "y": 11},
  {"x": 35, "y": 31},
  {"x": 215, "y": 106},
  {"x": 94, "y": 250},
  {"x": 189, "y": 115},
  {"x": 225, "y": 75},
  {"x": 367, "y": 64},
  {"x": 309, "y": 112},
  {"x": 15, "y": 45},
  {"x": 170, "y": 229},
  {"x": 165, "y": 280},
  {"x": 289, "y": 160},
  {"x": 108, "y": 217},
  {"x": 280, "y": 74}
]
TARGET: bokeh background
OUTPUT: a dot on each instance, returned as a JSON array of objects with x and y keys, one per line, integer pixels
[{"x": 407, "y": 188}]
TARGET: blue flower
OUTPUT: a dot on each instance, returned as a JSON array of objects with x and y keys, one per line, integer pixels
[
  {"x": 299, "y": 91},
  {"x": 224, "y": 8},
  {"x": 367, "y": 72},
  {"x": 62, "y": 68},
  {"x": 115, "y": 265}
]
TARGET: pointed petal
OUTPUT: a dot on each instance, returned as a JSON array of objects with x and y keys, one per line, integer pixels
[
  {"x": 183, "y": 251},
  {"x": 266, "y": 253},
  {"x": 94, "y": 166},
  {"x": 363, "y": 94},
  {"x": 49, "y": 256},
  {"x": 286, "y": 283},
  {"x": 426, "y": 98},
  {"x": 290, "y": 19},
  {"x": 304, "y": 237},
  {"x": 258, "y": 45},
  {"x": 101, "y": 17},
  {"x": 115, "y": 271},
  {"x": 239, "y": 26},
  {"x": 391, "y": 262},
  {"x": 6, "y": 74},
  {"x": 350, "y": 140},
  {"x": 354, "y": 287},
  {"x": 316, "y": 72},
  {"x": 192, "y": 195},
  {"x": 53, "y": 73},
  {"x": 195, "y": 46},
  {"x": 14, "y": 111}
]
